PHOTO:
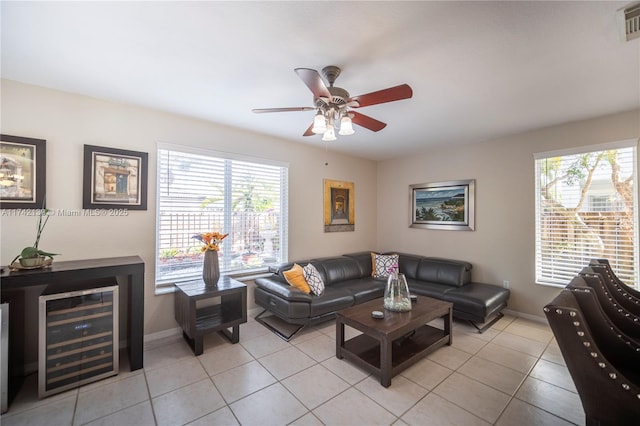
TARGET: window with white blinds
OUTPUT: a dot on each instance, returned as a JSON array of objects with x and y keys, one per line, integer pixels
[
  {"x": 201, "y": 191},
  {"x": 587, "y": 208}
]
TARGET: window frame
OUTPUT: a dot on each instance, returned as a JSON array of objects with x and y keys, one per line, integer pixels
[
  {"x": 163, "y": 286},
  {"x": 623, "y": 144}
]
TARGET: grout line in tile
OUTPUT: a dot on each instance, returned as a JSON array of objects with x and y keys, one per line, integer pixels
[
  {"x": 75, "y": 407},
  {"x": 153, "y": 410},
  {"x": 512, "y": 397},
  {"x": 325, "y": 331}
]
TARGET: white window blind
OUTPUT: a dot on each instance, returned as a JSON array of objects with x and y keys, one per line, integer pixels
[
  {"x": 586, "y": 208},
  {"x": 202, "y": 192}
]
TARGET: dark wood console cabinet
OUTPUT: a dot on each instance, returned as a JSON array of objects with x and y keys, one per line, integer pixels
[{"x": 78, "y": 275}]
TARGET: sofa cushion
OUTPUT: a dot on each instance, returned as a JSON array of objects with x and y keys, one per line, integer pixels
[
  {"x": 366, "y": 289},
  {"x": 425, "y": 288},
  {"x": 408, "y": 264},
  {"x": 477, "y": 300},
  {"x": 295, "y": 277},
  {"x": 282, "y": 289},
  {"x": 313, "y": 278},
  {"x": 289, "y": 309},
  {"x": 333, "y": 299},
  {"x": 337, "y": 269},
  {"x": 382, "y": 263},
  {"x": 363, "y": 258},
  {"x": 444, "y": 272}
]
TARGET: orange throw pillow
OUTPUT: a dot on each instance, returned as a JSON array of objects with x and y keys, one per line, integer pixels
[{"x": 295, "y": 277}]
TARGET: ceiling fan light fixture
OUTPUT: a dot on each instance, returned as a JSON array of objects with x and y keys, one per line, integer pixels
[
  {"x": 333, "y": 104},
  {"x": 346, "y": 126},
  {"x": 329, "y": 135},
  {"x": 319, "y": 124}
]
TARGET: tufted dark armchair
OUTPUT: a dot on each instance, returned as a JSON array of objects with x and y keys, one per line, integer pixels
[
  {"x": 624, "y": 319},
  {"x": 627, "y": 296},
  {"x": 602, "y": 363}
]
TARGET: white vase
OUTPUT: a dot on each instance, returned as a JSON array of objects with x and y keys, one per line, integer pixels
[{"x": 211, "y": 268}]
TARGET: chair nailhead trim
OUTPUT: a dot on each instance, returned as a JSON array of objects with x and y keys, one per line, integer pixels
[{"x": 587, "y": 344}]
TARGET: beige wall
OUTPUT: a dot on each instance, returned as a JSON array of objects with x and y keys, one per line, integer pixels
[
  {"x": 502, "y": 245},
  {"x": 68, "y": 121}
]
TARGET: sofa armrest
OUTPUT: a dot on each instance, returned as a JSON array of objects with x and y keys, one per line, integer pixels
[{"x": 283, "y": 290}]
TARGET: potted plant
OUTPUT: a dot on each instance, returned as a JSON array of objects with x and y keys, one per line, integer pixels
[{"x": 32, "y": 256}]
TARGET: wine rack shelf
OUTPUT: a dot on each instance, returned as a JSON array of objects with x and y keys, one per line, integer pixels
[{"x": 78, "y": 337}]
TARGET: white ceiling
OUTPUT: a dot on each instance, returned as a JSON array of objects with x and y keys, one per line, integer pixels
[{"x": 479, "y": 70}]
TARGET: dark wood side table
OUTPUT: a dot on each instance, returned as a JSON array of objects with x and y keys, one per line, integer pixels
[
  {"x": 196, "y": 321},
  {"x": 392, "y": 344}
]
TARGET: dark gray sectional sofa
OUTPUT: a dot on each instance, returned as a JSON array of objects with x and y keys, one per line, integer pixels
[{"x": 348, "y": 281}]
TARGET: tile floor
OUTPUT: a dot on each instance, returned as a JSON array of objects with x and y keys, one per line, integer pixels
[{"x": 513, "y": 374}]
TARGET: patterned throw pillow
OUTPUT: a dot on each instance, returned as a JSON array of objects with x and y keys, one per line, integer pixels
[
  {"x": 381, "y": 263},
  {"x": 314, "y": 279},
  {"x": 295, "y": 277}
]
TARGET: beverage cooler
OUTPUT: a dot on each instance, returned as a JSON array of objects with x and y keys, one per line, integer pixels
[
  {"x": 4, "y": 357},
  {"x": 78, "y": 338}
]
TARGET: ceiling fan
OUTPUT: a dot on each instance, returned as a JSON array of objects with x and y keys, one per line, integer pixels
[{"x": 333, "y": 105}]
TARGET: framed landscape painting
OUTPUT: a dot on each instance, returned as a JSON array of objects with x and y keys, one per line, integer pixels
[
  {"x": 443, "y": 205},
  {"x": 22, "y": 172},
  {"x": 114, "y": 179}
]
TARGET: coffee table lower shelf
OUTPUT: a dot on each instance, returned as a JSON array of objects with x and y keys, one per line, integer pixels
[{"x": 365, "y": 351}]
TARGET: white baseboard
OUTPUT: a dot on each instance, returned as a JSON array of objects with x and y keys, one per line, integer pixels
[
  {"x": 164, "y": 334},
  {"x": 535, "y": 318},
  {"x": 177, "y": 331}
]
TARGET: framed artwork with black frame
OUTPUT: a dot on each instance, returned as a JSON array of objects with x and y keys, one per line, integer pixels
[
  {"x": 22, "y": 172},
  {"x": 114, "y": 178},
  {"x": 443, "y": 205}
]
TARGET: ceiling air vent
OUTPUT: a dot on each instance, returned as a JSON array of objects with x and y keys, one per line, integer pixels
[{"x": 632, "y": 22}]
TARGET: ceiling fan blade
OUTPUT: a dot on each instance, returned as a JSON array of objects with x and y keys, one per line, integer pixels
[
  {"x": 381, "y": 96},
  {"x": 309, "y": 132},
  {"x": 314, "y": 82},
  {"x": 262, "y": 110},
  {"x": 366, "y": 121}
]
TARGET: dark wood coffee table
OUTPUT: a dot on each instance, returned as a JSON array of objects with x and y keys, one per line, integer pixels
[{"x": 395, "y": 342}]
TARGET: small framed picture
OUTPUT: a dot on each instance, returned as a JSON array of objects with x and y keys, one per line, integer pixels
[
  {"x": 339, "y": 206},
  {"x": 443, "y": 205},
  {"x": 22, "y": 172},
  {"x": 114, "y": 179}
]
